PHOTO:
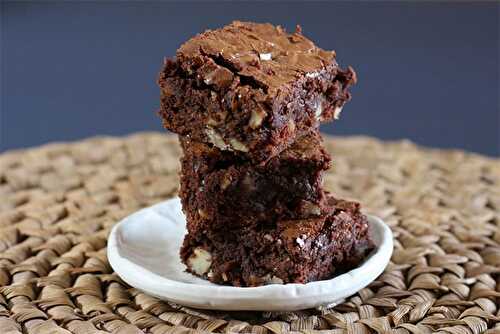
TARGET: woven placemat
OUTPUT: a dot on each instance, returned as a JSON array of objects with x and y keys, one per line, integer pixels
[{"x": 58, "y": 203}]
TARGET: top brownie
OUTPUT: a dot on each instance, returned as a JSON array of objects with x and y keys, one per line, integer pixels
[{"x": 251, "y": 88}]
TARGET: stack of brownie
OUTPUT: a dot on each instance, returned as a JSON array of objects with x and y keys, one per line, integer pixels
[{"x": 247, "y": 101}]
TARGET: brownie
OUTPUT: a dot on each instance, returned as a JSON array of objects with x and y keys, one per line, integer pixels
[
  {"x": 219, "y": 188},
  {"x": 251, "y": 88},
  {"x": 291, "y": 251}
]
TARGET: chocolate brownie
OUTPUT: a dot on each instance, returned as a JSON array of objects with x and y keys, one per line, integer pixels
[
  {"x": 218, "y": 188},
  {"x": 292, "y": 251},
  {"x": 251, "y": 88}
]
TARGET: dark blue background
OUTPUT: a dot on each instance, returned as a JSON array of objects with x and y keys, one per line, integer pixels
[{"x": 427, "y": 71}]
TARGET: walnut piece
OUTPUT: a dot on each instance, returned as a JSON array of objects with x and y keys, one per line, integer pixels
[
  {"x": 212, "y": 122},
  {"x": 291, "y": 125},
  {"x": 226, "y": 181},
  {"x": 318, "y": 107},
  {"x": 310, "y": 209},
  {"x": 268, "y": 237},
  {"x": 268, "y": 279},
  {"x": 300, "y": 241},
  {"x": 256, "y": 118},
  {"x": 216, "y": 139},
  {"x": 237, "y": 145},
  {"x": 200, "y": 261},
  {"x": 336, "y": 112},
  {"x": 265, "y": 56},
  {"x": 312, "y": 75}
]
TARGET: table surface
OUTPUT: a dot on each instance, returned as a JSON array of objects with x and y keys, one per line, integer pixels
[{"x": 59, "y": 202}]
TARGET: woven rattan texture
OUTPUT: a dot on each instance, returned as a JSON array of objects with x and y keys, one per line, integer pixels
[{"x": 58, "y": 203}]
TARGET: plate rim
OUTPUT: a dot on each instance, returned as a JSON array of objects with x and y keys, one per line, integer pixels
[{"x": 191, "y": 293}]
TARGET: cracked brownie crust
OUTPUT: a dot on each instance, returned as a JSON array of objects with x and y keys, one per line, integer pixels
[
  {"x": 290, "y": 251},
  {"x": 251, "y": 88},
  {"x": 218, "y": 188}
]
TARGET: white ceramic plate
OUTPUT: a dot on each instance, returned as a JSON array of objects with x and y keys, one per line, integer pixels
[{"x": 144, "y": 250}]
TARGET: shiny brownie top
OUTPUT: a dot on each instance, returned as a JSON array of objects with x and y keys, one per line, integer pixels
[{"x": 264, "y": 54}]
